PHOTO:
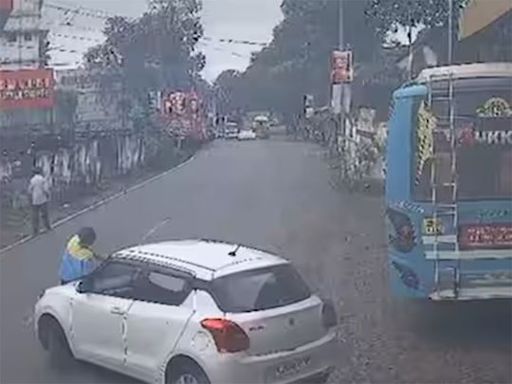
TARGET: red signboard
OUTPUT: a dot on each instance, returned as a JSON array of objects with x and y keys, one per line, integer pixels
[
  {"x": 27, "y": 88},
  {"x": 6, "y": 5},
  {"x": 341, "y": 67},
  {"x": 184, "y": 111},
  {"x": 485, "y": 236}
]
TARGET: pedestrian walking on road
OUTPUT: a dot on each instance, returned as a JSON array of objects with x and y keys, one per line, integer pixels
[
  {"x": 78, "y": 259},
  {"x": 39, "y": 197}
]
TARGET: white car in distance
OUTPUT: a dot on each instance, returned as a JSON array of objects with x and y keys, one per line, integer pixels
[
  {"x": 247, "y": 134},
  {"x": 192, "y": 312}
]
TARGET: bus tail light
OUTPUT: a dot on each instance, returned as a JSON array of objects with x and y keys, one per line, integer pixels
[{"x": 407, "y": 275}]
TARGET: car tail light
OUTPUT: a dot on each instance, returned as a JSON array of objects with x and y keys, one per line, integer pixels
[
  {"x": 228, "y": 336},
  {"x": 329, "y": 317}
]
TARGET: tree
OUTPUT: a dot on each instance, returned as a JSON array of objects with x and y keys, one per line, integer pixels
[
  {"x": 296, "y": 62},
  {"x": 156, "y": 51},
  {"x": 66, "y": 103},
  {"x": 389, "y": 15},
  {"x": 226, "y": 91}
]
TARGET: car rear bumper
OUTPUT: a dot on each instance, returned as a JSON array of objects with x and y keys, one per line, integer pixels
[{"x": 309, "y": 362}]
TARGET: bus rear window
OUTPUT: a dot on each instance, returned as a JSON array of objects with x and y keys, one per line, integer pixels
[{"x": 483, "y": 121}]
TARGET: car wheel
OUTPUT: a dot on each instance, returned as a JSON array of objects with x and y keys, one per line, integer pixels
[
  {"x": 188, "y": 373},
  {"x": 59, "y": 353}
]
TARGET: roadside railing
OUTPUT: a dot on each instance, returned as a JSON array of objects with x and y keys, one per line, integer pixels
[{"x": 352, "y": 157}]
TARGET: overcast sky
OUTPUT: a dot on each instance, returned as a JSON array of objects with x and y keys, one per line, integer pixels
[{"x": 251, "y": 20}]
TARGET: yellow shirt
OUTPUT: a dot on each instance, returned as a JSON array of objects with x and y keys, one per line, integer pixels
[{"x": 79, "y": 251}]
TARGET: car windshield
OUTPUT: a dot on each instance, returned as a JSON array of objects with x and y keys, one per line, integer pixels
[{"x": 260, "y": 289}]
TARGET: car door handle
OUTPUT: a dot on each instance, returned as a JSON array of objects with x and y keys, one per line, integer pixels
[{"x": 117, "y": 311}]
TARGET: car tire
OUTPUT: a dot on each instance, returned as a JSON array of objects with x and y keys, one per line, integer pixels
[
  {"x": 188, "y": 373},
  {"x": 57, "y": 346}
]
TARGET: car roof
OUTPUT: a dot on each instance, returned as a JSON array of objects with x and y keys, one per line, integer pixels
[{"x": 204, "y": 259}]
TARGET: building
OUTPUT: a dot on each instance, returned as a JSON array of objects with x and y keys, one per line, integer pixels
[
  {"x": 23, "y": 39},
  {"x": 97, "y": 107}
]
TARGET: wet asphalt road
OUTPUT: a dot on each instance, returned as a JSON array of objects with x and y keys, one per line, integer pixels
[{"x": 273, "y": 195}]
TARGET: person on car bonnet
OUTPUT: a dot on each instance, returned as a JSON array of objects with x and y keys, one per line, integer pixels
[{"x": 78, "y": 259}]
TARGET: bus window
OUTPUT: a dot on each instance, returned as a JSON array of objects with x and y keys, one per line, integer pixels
[{"x": 483, "y": 120}]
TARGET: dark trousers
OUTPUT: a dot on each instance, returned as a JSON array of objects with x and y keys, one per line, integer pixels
[{"x": 43, "y": 211}]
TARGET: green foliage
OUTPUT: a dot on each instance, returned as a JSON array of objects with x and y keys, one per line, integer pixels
[
  {"x": 157, "y": 49},
  {"x": 66, "y": 103},
  {"x": 226, "y": 88},
  {"x": 154, "y": 52},
  {"x": 297, "y": 60},
  {"x": 389, "y": 15}
]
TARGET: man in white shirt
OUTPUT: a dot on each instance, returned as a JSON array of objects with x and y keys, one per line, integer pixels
[{"x": 39, "y": 197}]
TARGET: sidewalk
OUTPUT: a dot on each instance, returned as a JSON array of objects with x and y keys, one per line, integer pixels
[{"x": 15, "y": 224}]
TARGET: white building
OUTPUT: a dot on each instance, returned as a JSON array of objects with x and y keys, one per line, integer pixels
[{"x": 23, "y": 39}]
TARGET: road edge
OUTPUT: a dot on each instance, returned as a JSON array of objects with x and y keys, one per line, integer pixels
[{"x": 99, "y": 203}]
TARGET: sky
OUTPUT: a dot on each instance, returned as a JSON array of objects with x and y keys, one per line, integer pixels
[{"x": 252, "y": 20}]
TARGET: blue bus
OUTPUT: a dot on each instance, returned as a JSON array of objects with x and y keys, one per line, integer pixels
[{"x": 449, "y": 184}]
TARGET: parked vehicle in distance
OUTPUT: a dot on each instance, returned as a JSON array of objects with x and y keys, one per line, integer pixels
[
  {"x": 231, "y": 131},
  {"x": 193, "y": 311},
  {"x": 247, "y": 134}
]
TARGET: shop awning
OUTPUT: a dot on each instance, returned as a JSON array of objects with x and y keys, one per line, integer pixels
[{"x": 478, "y": 14}]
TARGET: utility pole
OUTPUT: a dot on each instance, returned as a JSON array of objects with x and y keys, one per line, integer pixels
[
  {"x": 345, "y": 87},
  {"x": 341, "y": 43},
  {"x": 450, "y": 31},
  {"x": 337, "y": 89}
]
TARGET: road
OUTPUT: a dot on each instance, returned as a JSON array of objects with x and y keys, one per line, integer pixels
[{"x": 273, "y": 195}]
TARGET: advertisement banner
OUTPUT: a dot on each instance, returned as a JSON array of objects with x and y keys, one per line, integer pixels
[
  {"x": 6, "y": 5},
  {"x": 27, "y": 88},
  {"x": 185, "y": 114},
  {"x": 341, "y": 67}
]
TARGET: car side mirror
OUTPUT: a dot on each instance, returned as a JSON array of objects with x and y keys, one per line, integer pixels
[{"x": 84, "y": 286}]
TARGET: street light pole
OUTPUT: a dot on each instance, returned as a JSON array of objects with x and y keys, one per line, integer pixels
[
  {"x": 341, "y": 43},
  {"x": 345, "y": 87},
  {"x": 450, "y": 32},
  {"x": 341, "y": 46}
]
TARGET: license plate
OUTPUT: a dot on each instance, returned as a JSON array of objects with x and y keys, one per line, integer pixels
[
  {"x": 291, "y": 368},
  {"x": 494, "y": 236}
]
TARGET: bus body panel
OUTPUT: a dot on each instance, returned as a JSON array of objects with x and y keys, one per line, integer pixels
[{"x": 416, "y": 241}]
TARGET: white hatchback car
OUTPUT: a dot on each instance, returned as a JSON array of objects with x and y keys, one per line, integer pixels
[{"x": 194, "y": 311}]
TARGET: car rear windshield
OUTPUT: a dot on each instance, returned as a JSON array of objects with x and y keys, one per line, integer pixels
[{"x": 260, "y": 289}]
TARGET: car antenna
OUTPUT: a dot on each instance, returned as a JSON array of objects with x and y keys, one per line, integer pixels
[
  {"x": 234, "y": 251},
  {"x": 153, "y": 230}
]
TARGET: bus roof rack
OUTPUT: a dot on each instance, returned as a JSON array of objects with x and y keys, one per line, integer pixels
[{"x": 465, "y": 71}]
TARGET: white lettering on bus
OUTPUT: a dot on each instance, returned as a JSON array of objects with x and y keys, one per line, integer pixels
[{"x": 494, "y": 137}]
